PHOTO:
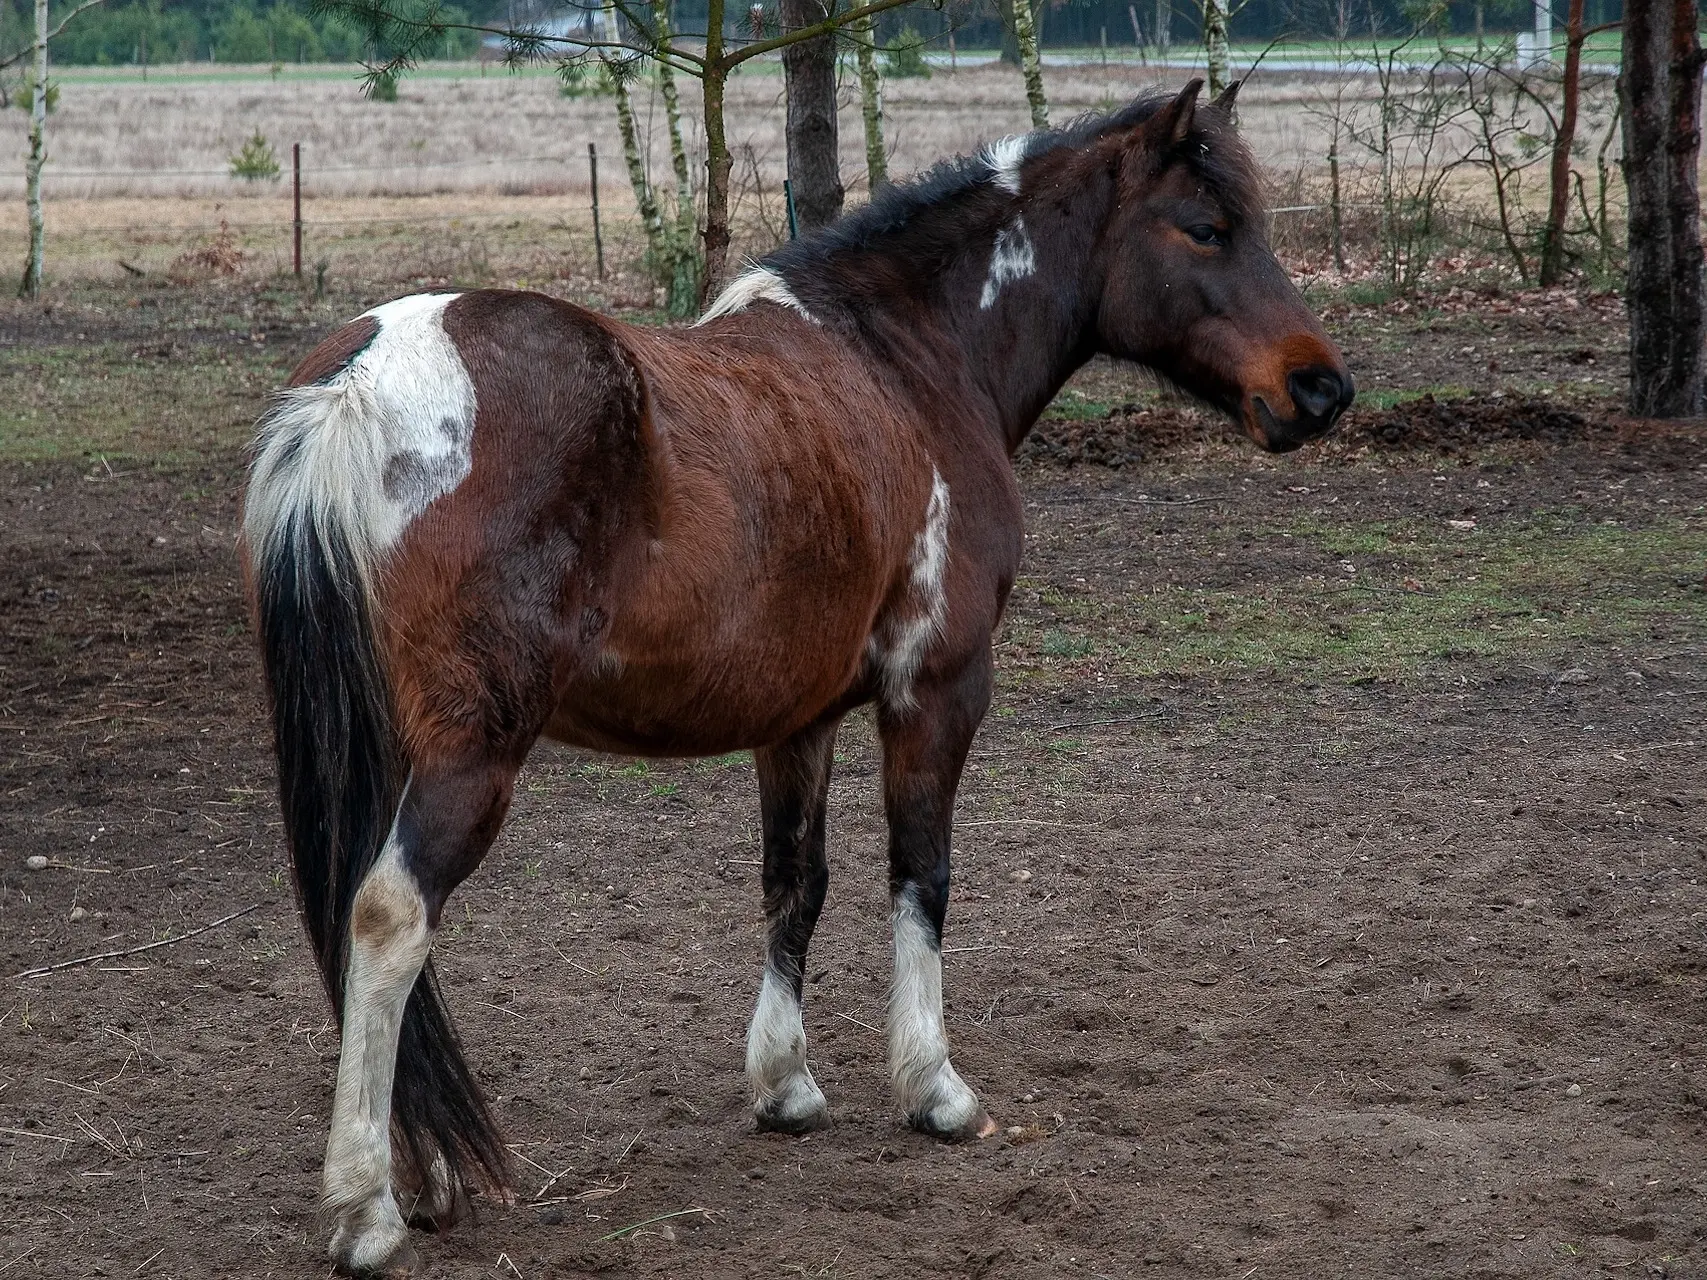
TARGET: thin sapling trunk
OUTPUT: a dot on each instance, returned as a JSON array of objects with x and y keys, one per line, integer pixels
[
  {"x": 36, "y": 266},
  {"x": 871, "y": 102},
  {"x": 1025, "y": 36}
]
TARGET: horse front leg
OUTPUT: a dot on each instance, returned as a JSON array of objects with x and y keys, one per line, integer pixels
[
  {"x": 925, "y": 740},
  {"x": 794, "y": 779}
]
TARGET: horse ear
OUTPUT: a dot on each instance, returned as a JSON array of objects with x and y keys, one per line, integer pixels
[
  {"x": 1228, "y": 95},
  {"x": 1171, "y": 125}
]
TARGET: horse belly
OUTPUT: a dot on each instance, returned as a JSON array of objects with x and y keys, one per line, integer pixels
[{"x": 723, "y": 680}]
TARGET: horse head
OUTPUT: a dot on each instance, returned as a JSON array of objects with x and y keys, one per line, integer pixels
[{"x": 1191, "y": 287}]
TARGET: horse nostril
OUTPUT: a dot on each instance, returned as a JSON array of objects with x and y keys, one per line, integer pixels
[{"x": 1319, "y": 393}]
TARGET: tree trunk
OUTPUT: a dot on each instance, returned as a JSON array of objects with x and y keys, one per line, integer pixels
[
  {"x": 1164, "y": 26},
  {"x": 651, "y": 220},
  {"x": 683, "y": 265},
  {"x": 1559, "y": 198},
  {"x": 1009, "y": 51},
  {"x": 1659, "y": 88},
  {"x": 809, "y": 72},
  {"x": 1215, "y": 44},
  {"x": 717, "y": 158},
  {"x": 673, "y": 118},
  {"x": 1025, "y": 36},
  {"x": 1334, "y": 207},
  {"x": 37, "y": 264},
  {"x": 871, "y": 103}
]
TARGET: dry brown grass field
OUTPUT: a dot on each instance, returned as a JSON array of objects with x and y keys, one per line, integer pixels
[
  {"x": 454, "y": 129},
  {"x": 478, "y": 177}
]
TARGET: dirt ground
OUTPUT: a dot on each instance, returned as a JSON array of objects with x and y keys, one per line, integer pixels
[{"x": 1360, "y": 791}]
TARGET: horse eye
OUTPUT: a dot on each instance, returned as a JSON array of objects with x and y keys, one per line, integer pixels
[{"x": 1203, "y": 233}]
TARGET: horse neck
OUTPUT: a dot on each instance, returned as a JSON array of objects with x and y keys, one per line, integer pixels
[
  {"x": 1026, "y": 323},
  {"x": 1000, "y": 325}
]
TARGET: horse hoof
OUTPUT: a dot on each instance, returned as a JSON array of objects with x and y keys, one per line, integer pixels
[
  {"x": 370, "y": 1260},
  {"x": 797, "y": 1106},
  {"x": 947, "y": 1129},
  {"x": 778, "y": 1118}
]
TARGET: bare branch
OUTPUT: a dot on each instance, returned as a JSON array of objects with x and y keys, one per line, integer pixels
[
  {"x": 63, "y": 23},
  {"x": 824, "y": 28}
]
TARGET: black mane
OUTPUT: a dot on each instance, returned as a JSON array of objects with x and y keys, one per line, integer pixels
[{"x": 1212, "y": 149}]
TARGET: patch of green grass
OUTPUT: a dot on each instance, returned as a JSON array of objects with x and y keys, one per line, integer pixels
[
  {"x": 1060, "y": 644},
  {"x": 1387, "y": 397},
  {"x": 1074, "y": 406},
  {"x": 1424, "y": 594},
  {"x": 633, "y": 769},
  {"x": 728, "y": 760},
  {"x": 106, "y": 400}
]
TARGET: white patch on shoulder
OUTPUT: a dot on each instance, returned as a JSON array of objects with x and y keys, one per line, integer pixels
[
  {"x": 925, "y": 1082},
  {"x": 756, "y": 284},
  {"x": 1013, "y": 258},
  {"x": 366, "y": 450},
  {"x": 1004, "y": 156},
  {"x": 898, "y": 644}
]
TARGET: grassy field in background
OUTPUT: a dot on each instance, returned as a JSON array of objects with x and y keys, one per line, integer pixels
[{"x": 1404, "y": 597}]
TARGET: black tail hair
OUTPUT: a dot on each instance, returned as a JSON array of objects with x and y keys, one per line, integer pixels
[{"x": 341, "y": 779}]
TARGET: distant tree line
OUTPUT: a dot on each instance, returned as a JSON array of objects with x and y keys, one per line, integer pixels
[
  {"x": 157, "y": 31},
  {"x": 126, "y": 32}
]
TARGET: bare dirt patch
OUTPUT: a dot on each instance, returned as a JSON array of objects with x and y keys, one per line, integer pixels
[{"x": 1319, "y": 967}]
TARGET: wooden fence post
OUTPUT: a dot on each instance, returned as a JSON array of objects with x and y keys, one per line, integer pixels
[
  {"x": 598, "y": 235},
  {"x": 296, "y": 202}
]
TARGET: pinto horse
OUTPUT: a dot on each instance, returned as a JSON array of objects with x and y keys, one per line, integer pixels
[{"x": 477, "y": 519}]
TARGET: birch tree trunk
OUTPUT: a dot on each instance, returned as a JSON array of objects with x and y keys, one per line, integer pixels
[
  {"x": 673, "y": 118},
  {"x": 1025, "y": 36},
  {"x": 1215, "y": 44},
  {"x": 871, "y": 103},
  {"x": 1659, "y": 89},
  {"x": 1164, "y": 26},
  {"x": 37, "y": 264},
  {"x": 809, "y": 78},
  {"x": 651, "y": 220},
  {"x": 682, "y": 257}
]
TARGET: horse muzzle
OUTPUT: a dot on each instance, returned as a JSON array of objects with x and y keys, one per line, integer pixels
[{"x": 1319, "y": 394}]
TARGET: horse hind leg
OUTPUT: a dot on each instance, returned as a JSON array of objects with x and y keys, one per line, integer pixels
[
  {"x": 443, "y": 827},
  {"x": 389, "y": 944},
  {"x": 794, "y": 780}
]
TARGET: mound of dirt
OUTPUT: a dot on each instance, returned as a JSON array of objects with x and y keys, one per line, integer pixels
[
  {"x": 1427, "y": 426},
  {"x": 1126, "y": 434},
  {"x": 1456, "y": 426}
]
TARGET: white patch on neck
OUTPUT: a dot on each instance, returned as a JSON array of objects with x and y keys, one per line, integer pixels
[
  {"x": 1013, "y": 258},
  {"x": 367, "y": 449},
  {"x": 1004, "y": 157},
  {"x": 899, "y": 643},
  {"x": 756, "y": 284}
]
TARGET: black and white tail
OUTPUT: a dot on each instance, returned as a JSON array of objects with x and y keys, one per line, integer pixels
[{"x": 315, "y": 523}]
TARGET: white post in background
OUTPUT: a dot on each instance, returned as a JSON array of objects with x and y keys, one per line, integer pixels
[{"x": 1535, "y": 48}]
